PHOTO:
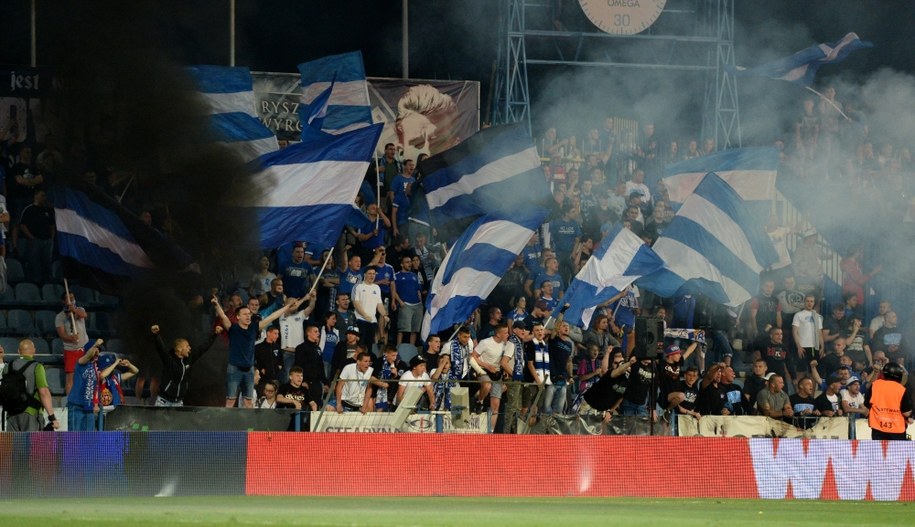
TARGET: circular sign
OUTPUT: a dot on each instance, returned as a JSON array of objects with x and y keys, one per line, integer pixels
[{"x": 622, "y": 17}]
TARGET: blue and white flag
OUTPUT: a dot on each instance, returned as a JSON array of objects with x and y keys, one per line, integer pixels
[
  {"x": 495, "y": 171},
  {"x": 750, "y": 172},
  {"x": 318, "y": 109},
  {"x": 801, "y": 68},
  {"x": 309, "y": 188},
  {"x": 228, "y": 96},
  {"x": 621, "y": 258},
  {"x": 105, "y": 244},
  {"x": 714, "y": 246},
  {"x": 475, "y": 264},
  {"x": 348, "y": 106}
]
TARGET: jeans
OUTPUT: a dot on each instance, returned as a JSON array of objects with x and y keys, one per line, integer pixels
[
  {"x": 630, "y": 408},
  {"x": 79, "y": 420},
  {"x": 554, "y": 399}
]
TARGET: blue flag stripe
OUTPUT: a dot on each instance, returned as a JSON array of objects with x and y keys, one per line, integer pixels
[
  {"x": 347, "y": 67},
  {"x": 237, "y": 126},
  {"x": 281, "y": 225},
  {"x": 221, "y": 79},
  {"x": 81, "y": 249}
]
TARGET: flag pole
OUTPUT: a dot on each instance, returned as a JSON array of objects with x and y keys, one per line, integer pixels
[
  {"x": 378, "y": 190},
  {"x": 834, "y": 105},
  {"x": 330, "y": 255},
  {"x": 72, "y": 316}
]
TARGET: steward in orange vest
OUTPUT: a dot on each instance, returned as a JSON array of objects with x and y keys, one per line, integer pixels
[{"x": 890, "y": 405}]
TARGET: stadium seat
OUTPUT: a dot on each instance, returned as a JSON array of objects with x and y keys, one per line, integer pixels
[
  {"x": 57, "y": 347},
  {"x": 44, "y": 322},
  {"x": 10, "y": 346},
  {"x": 52, "y": 293},
  {"x": 7, "y": 297},
  {"x": 56, "y": 380},
  {"x": 116, "y": 346},
  {"x": 41, "y": 347},
  {"x": 27, "y": 293},
  {"x": 101, "y": 324},
  {"x": 14, "y": 271},
  {"x": 20, "y": 322},
  {"x": 108, "y": 300},
  {"x": 406, "y": 351},
  {"x": 57, "y": 272},
  {"x": 3, "y": 327},
  {"x": 84, "y": 295}
]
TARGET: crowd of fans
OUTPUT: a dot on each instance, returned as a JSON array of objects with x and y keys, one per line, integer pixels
[{"x": 343, "y": 337}]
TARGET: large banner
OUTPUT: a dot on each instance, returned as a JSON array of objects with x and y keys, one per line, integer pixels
[
  {"x": 21, "y": 91},
  {"x": 418, "y": 115}
]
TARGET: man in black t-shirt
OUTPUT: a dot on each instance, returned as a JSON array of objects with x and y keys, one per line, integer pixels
[{"x": 294, "y": 394}]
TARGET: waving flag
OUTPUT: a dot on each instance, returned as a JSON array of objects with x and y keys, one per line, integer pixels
[
  {"x": 621, "y": 258},
  {"x": 347, "y": 107},
  {"x": 713, "y": 246},
  {"x": 495, "y": 171},
  {"x": 801, "y": 68},
  {"x": 749, "y": 171},
  {"x": 318, "y": 108},
  {"x": 311, "y": 186},
  {"x": 475, "y": 264},
  {"x": 228, "y": 95},
  {"x": 105, "y": 244}
]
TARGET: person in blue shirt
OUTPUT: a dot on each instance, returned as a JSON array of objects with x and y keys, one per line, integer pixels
[
  {"x": 400, "y": 195},
  {"x": 407, "y": 302}
]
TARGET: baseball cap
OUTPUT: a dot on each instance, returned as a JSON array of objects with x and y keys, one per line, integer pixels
[
  {"x": 106, "y": 359},
  {"x": 352, "y": 329},
  {"x": 416, "y": 361},
  {"x": 853, "y": 380},
  {"x": 671, "y": 350},
  {"x": 833, "y": 379}
]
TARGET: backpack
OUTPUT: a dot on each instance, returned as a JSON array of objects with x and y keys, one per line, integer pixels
[{"x": 14, "y": 394}]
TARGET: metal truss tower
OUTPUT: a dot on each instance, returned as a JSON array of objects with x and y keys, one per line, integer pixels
[{"x": 690, "y": 35}]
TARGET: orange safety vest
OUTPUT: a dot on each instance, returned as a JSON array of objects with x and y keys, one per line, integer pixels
[{"x": 885, "y": 414}]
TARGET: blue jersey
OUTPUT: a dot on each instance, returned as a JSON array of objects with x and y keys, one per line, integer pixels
[{"x": 408, "y": 288}]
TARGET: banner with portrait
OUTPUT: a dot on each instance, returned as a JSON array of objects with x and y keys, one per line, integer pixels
[{"x": 419, "y": 116}]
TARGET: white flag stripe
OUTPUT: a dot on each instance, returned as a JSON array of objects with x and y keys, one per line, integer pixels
[
  {"x": 352, "y": 93},
  {"x": 216, "y": 103},
  {"x": 749, "y": 184},
  {"x": 503, "y": 234},
  {"x": 465, "y": 282},
  {"x": 690, "y": 263},
  {"x": 299, "y": 185},
  {"x": 250, "y": 150},
  {"x": 68, "y": 221},
  {"x": 499, "y": 170},
  {"x": 722, "y": 227}
]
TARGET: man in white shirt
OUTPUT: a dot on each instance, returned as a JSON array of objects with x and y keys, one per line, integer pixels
[
  {"x": 417, "y": 379},
  {"x": 351, "y": 393},
  {"x": 486, "y": 361},
  {"x": 853, "y": 399},
  {"x": 807, "y": 331},
  {"x": 369, "y": 305}
]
